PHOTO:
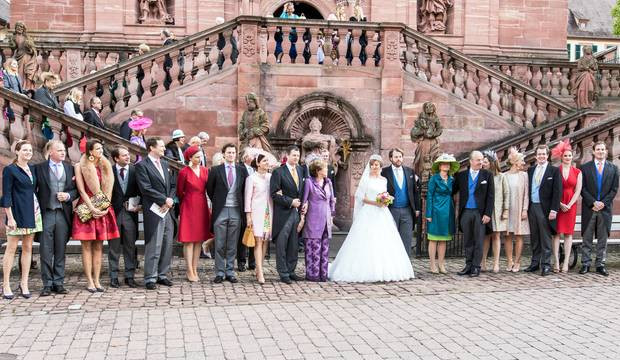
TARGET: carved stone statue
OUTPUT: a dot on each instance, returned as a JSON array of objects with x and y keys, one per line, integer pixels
[
  {"x": 24, "y": 51},
  {"x": 425, "y": 132},
  {"x": 434, "y": 15},
  {"x": 314, "y": 141},
  {"x": 254, "y": 126},
  {"x": 154, "y": 11},
  {"x": 585, "y": 88},
  {"x": 358, "y": 12},
  {"x": 341, "y": 14}
]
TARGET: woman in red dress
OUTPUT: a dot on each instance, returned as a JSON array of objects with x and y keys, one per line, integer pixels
[
  {"x": 195, "y": 217},
  {"x": 571, "y": 189},
  {"x": 93, "y": 175}
]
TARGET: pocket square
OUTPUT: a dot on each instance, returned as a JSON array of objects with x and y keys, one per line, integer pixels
[
  {"x": 550, "y": 178},
  {"x": 483, "y": 182}
]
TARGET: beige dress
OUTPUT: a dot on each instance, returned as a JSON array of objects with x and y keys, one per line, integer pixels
[
  {"x": 519, "y": 201},
  {"x": 502, "y": 201}
]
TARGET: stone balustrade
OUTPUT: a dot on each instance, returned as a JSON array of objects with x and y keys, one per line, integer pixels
[{"x": 74, "y": 60}]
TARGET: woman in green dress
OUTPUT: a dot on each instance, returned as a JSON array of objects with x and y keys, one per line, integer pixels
[{"x": 440, "y": 210}]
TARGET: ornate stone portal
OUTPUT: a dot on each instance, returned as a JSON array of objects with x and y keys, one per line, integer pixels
[
  {"x": 425, "y": 132},
  {"x": 154, "y": 12}
]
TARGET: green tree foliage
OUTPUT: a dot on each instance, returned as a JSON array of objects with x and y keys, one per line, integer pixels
[{"x": 615, "y": 14}]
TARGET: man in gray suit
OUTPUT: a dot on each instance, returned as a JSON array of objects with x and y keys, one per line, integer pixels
[
  {"x": 600, "y": 186},
  {"x": 225, "y": 188},
  {"x": 55, "y": 192},
  {"x": 157, "y": 187}
]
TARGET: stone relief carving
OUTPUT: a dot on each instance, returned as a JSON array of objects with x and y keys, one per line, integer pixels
[
  {"x": 248, "y": 46},
  {"x": 391, "y": 47},
  {"x": 154, "y": 12},
  {"x": 425, "y": 132},
  {"x": 434, "y": 15}
]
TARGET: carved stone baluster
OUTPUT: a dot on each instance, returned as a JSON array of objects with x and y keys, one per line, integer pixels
[
  {"x": 133, "y": 84},
  {"x": 536, "y": 78},
  {"x": 363, "y": 42},
  {"x": 193, "y": 61},
  {"x": 447, "y": 72},
  {"x": 125, "y": 88},
  {"x": 530, "y": 111},
  {"x": 435, "y": 67},
  {"x": 4, "y": 125},
  {"x": 556, "y": 76},
  {"x": 565, "y": 82},
  {"x": 495, "y": 96},
  {"x": 519, "y": 108},
  {"x": 43, "y": 60},
  {"x": 234, "y": 45},
  {"x": 484, "y": 88},
  {"x": 181, "y": 61},
  {"x": 541, "y": 112},
  {"x": 552, "y": 112},
  {"x": 460, "y": 77},
  {"x": 423, "y": 73},
  {"x": 614, "y": 146},
  {"x": 506, "y": 101},
  {"x": 411, "y": 56},
  {"x": 208, "y": 53},
  {"x": 262, "y": 44},
  {"x": 471, "y": 84},
  {"x": 545, "y": 82},
  {"x": 614, "y": 83},
  {"x": 157, "y": 77},
  {"x": 506, "y": 70},
  {"x": 604, "y": 86}
]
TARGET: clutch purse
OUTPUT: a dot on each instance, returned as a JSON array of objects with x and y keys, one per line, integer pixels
[
  {"x": 99, "y": 201},
  {"x": 248, "y": 237}
]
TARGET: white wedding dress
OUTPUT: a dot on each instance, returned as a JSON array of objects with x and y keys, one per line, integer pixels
[{"x": 373, "y": 250}]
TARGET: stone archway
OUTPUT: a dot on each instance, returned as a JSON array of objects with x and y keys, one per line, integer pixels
[
  {"x": 325, "y": 7},
  {"x": 340, "y": 119}
]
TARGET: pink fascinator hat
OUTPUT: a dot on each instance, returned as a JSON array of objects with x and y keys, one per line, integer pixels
[
  {"x": 560, "y": 148},
  {"x": 140, "y": 123}
]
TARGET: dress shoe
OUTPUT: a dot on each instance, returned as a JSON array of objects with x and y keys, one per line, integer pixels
[
  {"x": 466, "y": 270},
  {"x": 232, "y": 279},
  {"x": 164, "y": 282},
  {"x": 59, "y": 289},
  {"x": 602, "y": 271},
  {"x": 241, "y": 268},
  {"x": 584, "y": 269},
  {"x": 294, "y": 277},
  {"x": 25, "y": 295},
  {"x": 531, "y": 268},
  {"x": 218, "y": 279},
  {"x": 92, "y": 290},
  {"x": 47, "y": 291},
  {"x": 131, "y": 283},
  {"x": 252, "y": 267},
  {"x": 286, "y": 280},
  {"x": 114, "y": 283},
  {"x": 546, "y": 270},
  {"x": 150, "y": 286},
  {"x": 475, "y": 272},
  {"x": 100, "y": 289}
]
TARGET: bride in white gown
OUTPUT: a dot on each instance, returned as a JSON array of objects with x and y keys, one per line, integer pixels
[{"x": 373, "y": 250}]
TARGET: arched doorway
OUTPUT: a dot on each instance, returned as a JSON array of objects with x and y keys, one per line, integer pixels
[{"x": 308, "y": 10}]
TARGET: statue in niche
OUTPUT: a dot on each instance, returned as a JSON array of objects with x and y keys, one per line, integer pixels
[
  {"x": 314, "y": 141},
  {"x": 154, "y": 11},
  {"x": 25, "y": 52},
  {"x": 434, "y": 15},
  {"x": 425, "y": 133},
  {"x": 585, "y": 87},
  {"x": 254, "y": 126}
]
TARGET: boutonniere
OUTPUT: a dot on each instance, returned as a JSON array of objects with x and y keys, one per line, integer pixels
[
  {"x": 483, "y": 182},
  {"x": 73, "y": 178}
]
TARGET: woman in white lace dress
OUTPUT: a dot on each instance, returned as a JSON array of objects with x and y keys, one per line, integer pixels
[{"x": 373, "y": 250}]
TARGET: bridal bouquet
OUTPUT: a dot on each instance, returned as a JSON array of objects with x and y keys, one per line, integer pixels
[{"x": 385, "y": 198}]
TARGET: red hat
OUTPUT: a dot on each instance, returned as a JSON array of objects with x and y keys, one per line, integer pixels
[{"x": 190, "y": 151}]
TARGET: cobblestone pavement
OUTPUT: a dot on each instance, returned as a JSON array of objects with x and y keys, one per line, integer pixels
[{"x": 495, "y": 316}]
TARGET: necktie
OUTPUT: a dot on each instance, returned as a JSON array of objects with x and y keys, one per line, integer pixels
[
  {"x": 57, "y": 171},
  {"x": 295, "y": 177},
  {"x": 161, "y": 170},
  {"x": 600, "y": 167},
  {"x": 229, "y": 176},
  {"x": 122, "y": 173},
  {"x": 539, "y": 174}
]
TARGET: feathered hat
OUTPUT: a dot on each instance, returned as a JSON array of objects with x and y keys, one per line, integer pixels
[{"x": 560, "y": 148}]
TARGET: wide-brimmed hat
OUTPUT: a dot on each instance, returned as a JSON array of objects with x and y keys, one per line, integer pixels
[
  {"x": 446, "y": 159},
  {"x": 178, "y": 133},
  {"x": 140, "y": 123}
]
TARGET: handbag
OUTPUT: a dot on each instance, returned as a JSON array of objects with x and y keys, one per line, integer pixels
[
  {"x": 100, "y": 201},
  {"x": 248, "y": 237}
]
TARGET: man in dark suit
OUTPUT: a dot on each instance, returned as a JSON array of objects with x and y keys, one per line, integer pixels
[
  {"x": 93, "y": 115},
  {"x": 125, "y": 188},
  {"x": 545, "y": 195},
  {"x": 245, "y": 254},
  {"x": 286, "y": 188},
  {"x": 401, "y": 183},
  {"x": 476, "y": 196},
  {"x": 125, "y": 131},
  {"x": 55, "y": 192},
  {"x": 600, "y": 186},
  {"x": 45, "y": 94},
  {"x": 157, "y": 187},
  {"x": 225, "y": 187}
]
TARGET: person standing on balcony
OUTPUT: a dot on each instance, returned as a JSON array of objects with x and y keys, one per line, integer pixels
[
  {"x": 176, "y": 147},
  {"x": 519, "y": 202},
  {"x": 289, "y": 11},
  {"x": 320, "y": 51},
  {"x": 126, "y": 209},
  {"x": 125, "y": 130},
  {"x": 93, "y": 115},
  {"x": 545, "y": 194},
  {"x": 10, "y": 75},
  {"x": 572, "y": 182},
  {"x": 23, "y": 215},
  {"x": 94, "y": 178},
  {"x": 158, "y": 189},
  {"x": 499, "y": 219},
  {"x": 72, "y": 106},
  {"x": 45, "y": 94},
  {"x": 600, "y": 186},
  {"x": 56, "y": 190},
  {"x": 476, "y": 202}
]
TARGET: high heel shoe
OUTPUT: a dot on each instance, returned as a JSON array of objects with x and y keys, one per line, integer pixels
[
  {"x": 258, "y": 279},
  {"x": 516, "y": 268},
  {"x": 6, "y": 296},
  {"x": 442, "y": 269},
  {"x": 24, "y": 295}
]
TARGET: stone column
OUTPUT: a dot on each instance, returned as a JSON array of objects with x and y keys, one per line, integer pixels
[
  {"x": 391, "y": 89},
  {"x": 248, "y": 70}
]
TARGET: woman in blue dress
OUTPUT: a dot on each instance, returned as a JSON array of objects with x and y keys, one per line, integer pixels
[
  {"x": 278, "y": 37},
  {"x": 440, "y": 210}
]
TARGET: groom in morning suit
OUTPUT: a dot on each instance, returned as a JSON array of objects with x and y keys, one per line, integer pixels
[
  {"x": 476, "y": 202},
  {"x": 545, "y": 195},
  {"x": 401, "y": 184},
  {"x": 157, "y": 186},
  {"x": 286, "y": 188},
  {"x": 600, "y": 186},
  {"x": 225, "y": 186}
]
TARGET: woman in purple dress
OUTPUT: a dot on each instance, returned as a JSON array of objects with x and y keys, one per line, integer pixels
[{"x": 317, "y": 232}]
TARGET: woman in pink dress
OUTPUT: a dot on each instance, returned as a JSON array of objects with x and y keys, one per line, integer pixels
[
  {"x": 195, "y": 216},
  {"x": 571, "y": 189}
]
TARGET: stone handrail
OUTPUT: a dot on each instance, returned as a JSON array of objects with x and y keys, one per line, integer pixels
[
  {"x": 470, "y": 79},
  {"x": 73, "y": 60},
  {"x": 29, "y": 116}
]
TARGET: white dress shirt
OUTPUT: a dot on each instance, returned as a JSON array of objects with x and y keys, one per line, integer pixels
[{"x": 398, "y": 174}]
